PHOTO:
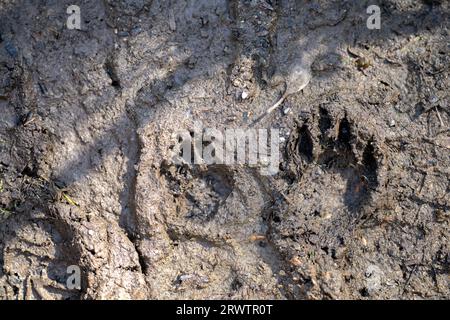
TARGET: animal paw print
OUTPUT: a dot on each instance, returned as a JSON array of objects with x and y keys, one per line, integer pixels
[
  {"x": 198, "y": 191},
  {"x": 335, "y": 166}
]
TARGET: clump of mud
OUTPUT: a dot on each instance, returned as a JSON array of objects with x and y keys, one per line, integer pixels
[{"x": 359, "y": 208}]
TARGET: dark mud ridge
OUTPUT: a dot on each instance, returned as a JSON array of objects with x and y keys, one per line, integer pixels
[{"x": 357, "y": 205}]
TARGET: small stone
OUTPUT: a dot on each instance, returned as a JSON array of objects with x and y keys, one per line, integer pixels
[
  {"x": 185, "y": 277},
  {"x": 363, "y": 63},
  {"x": 286, "y": 111},
  {"x": 364, "y": 241},
  {"x": 123, "y": 34},
  {"x": 392, "y": 123},
  {"x": 91, "y": 232},
  {"x": 326, "y": 215},
  {"x": 295, "y": 261},
  {"x": 433, "y": 99},
  {"x": 244, "y": 95},
  {"x": 136, "y": 30}
]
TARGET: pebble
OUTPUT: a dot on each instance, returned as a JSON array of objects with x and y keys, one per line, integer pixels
[
  {"x": 244, "y": 95},
  {"x": 433, "y": 99},
  {"x": 123, "y": 34},
  {"x": 185, "y": 277},
  {"x": 392, "y": 123},
  {"x": 135, "y": 31},
  {"x": 295, "y": 261}
]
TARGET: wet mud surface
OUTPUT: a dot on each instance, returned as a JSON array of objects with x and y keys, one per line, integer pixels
[{"x": 359, "y": 208}]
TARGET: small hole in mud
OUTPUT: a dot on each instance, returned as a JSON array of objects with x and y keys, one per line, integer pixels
[
  {"x": 305, "y": 143},
  {"x": 345, "y": 133},
  {"x": 112, "y": 74},
  {"x": 370, "y": 163},
  {"x": 115, "y": 83},
  {"x": 364, "y": 292},
  {"x": 30, "y": 172},
  {"x": 236, "y": 285},
  {"x": 333, "y": 254},
  {"x": 324, "y": 122}
]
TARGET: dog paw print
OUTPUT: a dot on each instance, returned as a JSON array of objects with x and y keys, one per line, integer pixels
[
  {"x": 335, "y": 173},
  {"x": 198, "y": 191},
  {"x": 330, "y": 155}
]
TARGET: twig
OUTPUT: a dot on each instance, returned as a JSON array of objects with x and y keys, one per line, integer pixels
[
  {"x": 409, "y": 278},
  {"x": 439, "y": 116}
]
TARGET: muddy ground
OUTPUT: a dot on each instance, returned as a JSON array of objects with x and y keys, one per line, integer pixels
[{"x": 359, "y": 209}]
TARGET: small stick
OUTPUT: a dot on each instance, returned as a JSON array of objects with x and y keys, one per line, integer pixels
[
  {"x": 295, "y": 82},
  {"x": 439, "y": 116},
  {"x": 278, "y": 103},
  {"x": 271, "y": 109}
]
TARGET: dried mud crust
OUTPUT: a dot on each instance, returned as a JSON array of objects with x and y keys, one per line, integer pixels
[{"x": 359, "y": 208}]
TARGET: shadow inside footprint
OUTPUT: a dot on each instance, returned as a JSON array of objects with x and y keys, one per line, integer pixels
[
  {"x": 200, "y": 192},
  {"x": 333, "y": 151}
]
